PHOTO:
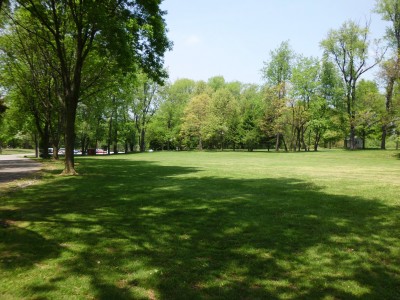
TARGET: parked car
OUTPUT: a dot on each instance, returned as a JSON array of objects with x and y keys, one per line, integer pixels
[
  {"x": 101, "y": 151},
  {"x": 61, "y": 151}
]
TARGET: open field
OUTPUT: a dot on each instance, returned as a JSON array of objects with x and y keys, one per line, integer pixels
[{"x": 207, "y": 225}]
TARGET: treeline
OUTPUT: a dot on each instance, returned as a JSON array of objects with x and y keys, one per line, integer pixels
[
  {"x": 62, "y": 58},
  {"x": 301, "y": 114},
  {"x": 304, "y": 103}
]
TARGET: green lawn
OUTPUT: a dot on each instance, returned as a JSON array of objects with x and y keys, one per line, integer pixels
[
  {"x": 6, "y": 151},
  {"x": 207, "y": 225}
]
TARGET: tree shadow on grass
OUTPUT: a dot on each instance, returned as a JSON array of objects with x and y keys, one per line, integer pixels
[
  {"x": 23, "y": 248},
  {"x": 141, "y": 230}
]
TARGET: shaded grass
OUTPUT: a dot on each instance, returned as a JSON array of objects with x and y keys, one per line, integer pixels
[{"x": 207, "y": 226}]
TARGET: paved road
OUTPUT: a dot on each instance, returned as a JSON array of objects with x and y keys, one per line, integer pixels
[{"x": 14, "y": 167}]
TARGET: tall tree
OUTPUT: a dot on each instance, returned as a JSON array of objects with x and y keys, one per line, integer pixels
[
  {"x": 222, "y": 120},
  {"x": 27, "y": 65},
  {"x": 166, "y": 125},
  {"x": 390, "y": 11},
  {"x": 277, "y": 72},
  {"x": 274, "y": 122},
  {"x": 305, "y": 83},
  {"x": 195, "y": 120},
  {"x": 127, "y": 31},
  {"x": 146, "y": 100},
  {"x": 251, "y": 113},
  {"x": 370, "y": 108},
  {"x": 348, "y": 47}
]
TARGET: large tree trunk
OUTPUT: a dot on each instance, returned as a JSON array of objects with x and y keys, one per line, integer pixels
[
  {"x": 36, "y": 145},
  {"x": 142, "y": 140},
  {"x": 70, "y": 115},
  {"x": 45, "y": 140}
]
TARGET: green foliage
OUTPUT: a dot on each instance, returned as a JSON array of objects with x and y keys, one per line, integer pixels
[
  {"x": 86, "y": 39},
  {"x": 194, "y": 121},
  {"x": 102, "y": 65},
  {"x": 370, "y": 108},
  {"x": 251, "y": 111},
  {"x": 166, "y": 125},
  {"x": 278, "y": 70},
  {"x": 390, "y": 11},
  {"x": 348, "y": 48}
]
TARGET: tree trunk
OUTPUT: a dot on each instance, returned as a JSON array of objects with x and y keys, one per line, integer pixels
[
  {"x": 55, "y": 149},
  {"x": 317, "y": 139},
  {"x": 277, "y": 142},
  {"x": 36, "y": 146},
  {"x": 388, "y": 104},
  {"x": 110, "y": 125},
  {"x": 115, "y": 138},
  {"x": 284, "y": 143},
  {"x": 363, "y": 135},
  {"x": 383, "y": 137},
  {"x": 71, "y": 105},
  {"x": 298, "y": 140},
  {"x": 352, "y": 137},
  {"x": 303, "y": 143},
  {"x": 142, "y": 140},
  {"x": 45, "y": 140},
  {"x": 55, "y": 152}
]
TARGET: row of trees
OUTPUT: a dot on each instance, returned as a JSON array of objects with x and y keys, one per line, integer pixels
[
  {"x": 55, "y": 54},
  {"x": 87, "y": 75}
]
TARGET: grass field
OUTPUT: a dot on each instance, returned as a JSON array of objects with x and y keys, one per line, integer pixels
[
  {"x": 6, "y": 151},
  {"x": 207, "y": 225}
]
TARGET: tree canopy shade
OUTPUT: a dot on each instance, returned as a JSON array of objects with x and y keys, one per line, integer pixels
[
  {"x": 131, "y": 33},
  {"x": 2, "y": 2}
]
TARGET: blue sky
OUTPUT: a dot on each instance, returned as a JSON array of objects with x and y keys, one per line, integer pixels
[{"x": 233, "y": 38}]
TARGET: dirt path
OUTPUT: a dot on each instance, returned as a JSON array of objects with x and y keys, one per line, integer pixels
[{"x": 14, "y": 167}]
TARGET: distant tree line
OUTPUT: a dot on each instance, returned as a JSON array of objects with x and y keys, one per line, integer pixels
[{"x": 88, "y": 76}]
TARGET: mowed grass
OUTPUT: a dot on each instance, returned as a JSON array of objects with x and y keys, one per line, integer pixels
[
  {"x": 7, "y": 151},
  {"x": 207, "y": 225}
]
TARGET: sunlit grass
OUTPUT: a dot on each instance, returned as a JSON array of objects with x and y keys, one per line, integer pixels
[
  {"x": 207, "y": 225},
  {"x": 8, "y": 151}
]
